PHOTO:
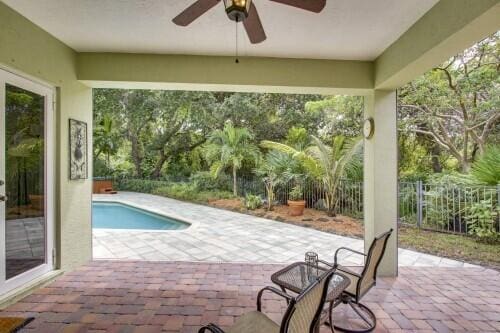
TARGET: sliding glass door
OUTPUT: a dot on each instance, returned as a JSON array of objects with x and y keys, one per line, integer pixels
[{"x": 26, "y": 180}]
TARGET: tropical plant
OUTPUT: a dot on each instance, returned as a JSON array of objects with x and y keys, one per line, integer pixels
[
  {"x": 296, "y": 194},
  {"x": 275, "y": 169},
  {"x": 486, "y": 170},
  {"x": 325, "y": 163},
  {"x": 230, "y": 148},
  {"x": 481, "y": 219},
  {"x": 252, "y": 201},
  {"x": 106, "y": 139}
]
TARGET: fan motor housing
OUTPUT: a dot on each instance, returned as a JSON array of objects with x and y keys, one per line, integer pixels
[{"x": 237, "y": 10}]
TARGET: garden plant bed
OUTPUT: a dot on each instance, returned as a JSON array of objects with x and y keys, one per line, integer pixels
[{"x": 312, "y": 218}]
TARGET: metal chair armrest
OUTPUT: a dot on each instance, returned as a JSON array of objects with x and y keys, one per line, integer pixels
[
  {"x": 212, "y": 328},
  {"x": 274, "y": 290},
  {"x": 345, "y": 249},
  {"x": 345, "y": 270},
  {"x": 326, "y": 263}
]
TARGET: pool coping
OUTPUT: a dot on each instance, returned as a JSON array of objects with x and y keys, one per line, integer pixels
[{"x": 191, "y": 224}]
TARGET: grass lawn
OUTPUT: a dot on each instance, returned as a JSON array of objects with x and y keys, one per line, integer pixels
[{"x": 451, "y": 246}]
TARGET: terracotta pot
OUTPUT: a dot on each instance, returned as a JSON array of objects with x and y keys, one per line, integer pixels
[
  {"x": 37, "y": 201},
  {"x": 296, "y": 208}
]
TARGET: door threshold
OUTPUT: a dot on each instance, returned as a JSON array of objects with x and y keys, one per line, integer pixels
[{"x": 15, "y": 295}]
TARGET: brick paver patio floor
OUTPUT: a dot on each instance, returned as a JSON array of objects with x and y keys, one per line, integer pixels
[{"x": 140, "y": 296}]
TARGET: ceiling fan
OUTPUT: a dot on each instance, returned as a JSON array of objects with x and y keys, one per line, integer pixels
[{"x": 243, "y": 11}]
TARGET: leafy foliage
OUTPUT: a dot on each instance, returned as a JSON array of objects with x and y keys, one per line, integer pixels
[
  {"x": 204, "y": 181},
  {"x": 187, "y": 192},
  {"x": 481, "y": 220},
  {"x": 454, "y": 108},
  {"x": 324, "y": 163},
  {"x": 296, "y": 194},
  {"x": 252, "y": 202},
  {"x": 486, "y": 170},
  {"x": 230, "y": 148}
]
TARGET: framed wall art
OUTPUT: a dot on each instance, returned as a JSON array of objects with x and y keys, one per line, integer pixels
[{"x": 78, "y": 164}]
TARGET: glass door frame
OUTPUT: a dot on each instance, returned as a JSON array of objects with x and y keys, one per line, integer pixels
[{"x": 17, "y": 281}]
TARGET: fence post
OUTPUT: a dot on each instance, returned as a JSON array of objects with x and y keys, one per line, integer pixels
[
  {"x": 420, "y": 203},
  {"x": 498, "y": 204}
]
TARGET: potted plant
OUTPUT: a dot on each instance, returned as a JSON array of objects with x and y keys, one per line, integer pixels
[{"x": 296, "y": 203}]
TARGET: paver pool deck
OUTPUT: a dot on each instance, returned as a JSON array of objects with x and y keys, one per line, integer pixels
[{"x": 218, "y": 235}]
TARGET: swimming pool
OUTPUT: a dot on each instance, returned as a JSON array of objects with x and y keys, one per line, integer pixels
[{"x": 114, "y": 215}]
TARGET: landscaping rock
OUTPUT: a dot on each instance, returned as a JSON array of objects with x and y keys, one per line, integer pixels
[
  {"x": 307, "y": 219},
  {"x": 280, "y": 219},
  {"x": 322, "y": 219}
]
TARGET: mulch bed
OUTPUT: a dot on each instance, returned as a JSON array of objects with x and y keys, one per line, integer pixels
[{"x": 312, "y": 218}]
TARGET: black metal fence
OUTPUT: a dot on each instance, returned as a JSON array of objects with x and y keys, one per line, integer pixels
[{"x": 446, "y": 208}]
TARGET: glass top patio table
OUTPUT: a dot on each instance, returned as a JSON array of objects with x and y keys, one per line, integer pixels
[{"x": 298, "y": 276}]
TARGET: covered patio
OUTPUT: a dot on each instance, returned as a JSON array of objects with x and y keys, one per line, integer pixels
[
  {"x": 138, "y": 296},
  {"x": 352, "y": 48}
]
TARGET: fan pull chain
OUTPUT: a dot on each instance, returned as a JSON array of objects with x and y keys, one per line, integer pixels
[{"x": 236, "y": 60}]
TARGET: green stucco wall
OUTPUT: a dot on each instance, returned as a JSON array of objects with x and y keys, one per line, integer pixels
[
  {"x": 29, "y": 50},
  {"x": 222, "y": 73}
]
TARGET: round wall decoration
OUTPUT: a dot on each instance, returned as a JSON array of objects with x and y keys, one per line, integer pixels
[{"x": 368, "y": 128}]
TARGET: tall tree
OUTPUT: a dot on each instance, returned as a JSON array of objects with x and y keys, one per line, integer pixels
[
  {"x": 230, "y": 148},
  {"x": 184, "y": 119},
  {"x": 457, "y": 104}
]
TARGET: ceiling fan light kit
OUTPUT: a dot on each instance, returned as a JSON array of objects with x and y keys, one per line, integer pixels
[{"x": 237, "y": 10}]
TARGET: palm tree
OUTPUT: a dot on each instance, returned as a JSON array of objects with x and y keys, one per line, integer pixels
[
  {"x": 486, "y": 169},
  {"x": 324, "y": 163},
  {"x": 276, "y": 168},
  {"x": 105, "y": 139},
  {"x": 230, "y": 147}
]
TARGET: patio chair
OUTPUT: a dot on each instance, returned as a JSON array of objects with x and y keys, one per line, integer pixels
[
  {"x": 362, "y": 282},
  {"x": 301, "y": 316}
]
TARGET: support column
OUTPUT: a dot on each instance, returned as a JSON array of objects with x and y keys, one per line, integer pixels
[{"x": 381, "y": 176}]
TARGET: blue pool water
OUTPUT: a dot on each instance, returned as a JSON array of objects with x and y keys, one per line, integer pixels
[{"x": 111, "y": 215}]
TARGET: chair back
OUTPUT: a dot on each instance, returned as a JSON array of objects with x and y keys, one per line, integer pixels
[
  {"x": 373, "y": 258},
  {"x": 304, "y": 311}
]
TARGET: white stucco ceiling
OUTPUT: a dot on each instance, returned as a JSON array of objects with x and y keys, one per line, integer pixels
[{"x": 346, "y": 29}]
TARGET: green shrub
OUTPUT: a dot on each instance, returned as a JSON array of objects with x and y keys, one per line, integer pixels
[
  {"x": 296, "y": 194},
  {"x": 252, "y": 202},
  {"x": 188, "y": 192},
  {"x": 481, "y": 219},
  {"x": 138, "y": 185},
  {"x": 204, "y": 181}
]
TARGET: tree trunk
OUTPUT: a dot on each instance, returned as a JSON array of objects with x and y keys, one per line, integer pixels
[
  {"x": 159, "y": 165},
  {"x": 136, "y": 156},
  {"x": 331, "y": 204},
  {"x": 464, "y": 166},
  {"x": 108, "y": 167},
  {"x": 235, "y": 185},
  {"x": 436, "y": 164}
]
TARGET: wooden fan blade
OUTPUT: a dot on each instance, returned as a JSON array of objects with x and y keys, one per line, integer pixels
[
  {"x": 253, "y": 26},
  {"x": 194, "y": 11},
  {"x": 310, "y": 5}
]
